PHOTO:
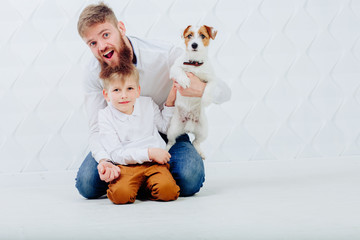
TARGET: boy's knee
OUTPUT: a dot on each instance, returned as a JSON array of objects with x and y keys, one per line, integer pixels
[
  {"x": 121, "y": 195},
  {"x": 165, "y": 191}
]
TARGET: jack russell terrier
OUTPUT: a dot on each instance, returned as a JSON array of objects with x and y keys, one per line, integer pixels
[{"x": 189, "y": 115}]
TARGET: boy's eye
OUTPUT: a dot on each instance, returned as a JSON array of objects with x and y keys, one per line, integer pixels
[
  {"x": 116, "y": 90},
  {"x": 92, "y": 44},
  {"x": 130, "y": 88},
  {"x": 106, "y": 35}
]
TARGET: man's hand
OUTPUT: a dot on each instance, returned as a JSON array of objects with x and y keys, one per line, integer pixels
[
  {"x": 196, "y": 88},
  {"x": 108, "y": 171},
  {"x": 159, "y": 155}
]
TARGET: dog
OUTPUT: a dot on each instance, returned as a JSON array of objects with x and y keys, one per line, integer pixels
[{"x": 189, "y": 115}]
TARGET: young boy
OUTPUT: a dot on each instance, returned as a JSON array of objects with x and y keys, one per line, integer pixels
[{"x": 128, "y": 131}]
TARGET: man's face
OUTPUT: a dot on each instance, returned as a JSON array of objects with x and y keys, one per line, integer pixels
[{"x": 104, "y": 40}]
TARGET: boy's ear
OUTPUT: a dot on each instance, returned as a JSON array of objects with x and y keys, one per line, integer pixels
[
  {"x": 106, "y": 96},
  {"x": 139, "y": 90}
]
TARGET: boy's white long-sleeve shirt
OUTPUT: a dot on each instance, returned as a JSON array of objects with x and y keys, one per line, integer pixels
[
  {"x": 126, "y": 138},
  {"x": 154, "y": 60}
]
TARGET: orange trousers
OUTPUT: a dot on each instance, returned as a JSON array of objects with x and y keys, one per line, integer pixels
[{"x": 150, "y": 180}]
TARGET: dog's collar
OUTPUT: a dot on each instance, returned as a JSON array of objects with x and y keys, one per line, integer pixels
[{"x": 194, "y": 63}]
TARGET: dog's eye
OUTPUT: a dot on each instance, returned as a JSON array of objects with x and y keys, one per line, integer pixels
[
  {"x": 189, "y": 36},
  {"x": 202, "y": 36}
]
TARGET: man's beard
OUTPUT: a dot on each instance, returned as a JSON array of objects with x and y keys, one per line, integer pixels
[{"x": 125, "y": 65}]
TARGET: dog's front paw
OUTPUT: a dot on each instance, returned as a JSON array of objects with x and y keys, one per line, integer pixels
[{"x": 184, "y": 81}]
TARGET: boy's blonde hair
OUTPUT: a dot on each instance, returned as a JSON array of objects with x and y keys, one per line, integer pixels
[
  {"x": 122, "y": 76},
  {"x": 94, "y": 14}
]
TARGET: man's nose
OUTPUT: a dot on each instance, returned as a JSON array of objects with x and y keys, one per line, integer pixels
[{"x": 102, "y": 46}]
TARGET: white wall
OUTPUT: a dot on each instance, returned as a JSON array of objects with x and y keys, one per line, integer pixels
[{"x": 293, "y": 67}]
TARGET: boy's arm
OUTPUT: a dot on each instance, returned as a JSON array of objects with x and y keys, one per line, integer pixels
[
  {"x": 94, "y": 101},
  {"x": 162, "y": 118}
]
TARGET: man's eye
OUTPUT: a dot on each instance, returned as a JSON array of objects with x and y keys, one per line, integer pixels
[
  {"x": 92, "y": 44},
  {"x": 106, "y": 35}
]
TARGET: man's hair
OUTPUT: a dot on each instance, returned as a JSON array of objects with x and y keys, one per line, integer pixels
[
  {"x": 122, "y": 76},
  {"x": 94, "y": 14}
]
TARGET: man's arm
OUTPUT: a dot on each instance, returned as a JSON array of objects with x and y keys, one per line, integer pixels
[{"x": 221, "y": 93}]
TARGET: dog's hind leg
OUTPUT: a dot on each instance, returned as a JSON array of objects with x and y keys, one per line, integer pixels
[
  {"x": 176, "y": 128},
  {"x": 200, "y": 135},
  {"x": 172, "y": 134}
]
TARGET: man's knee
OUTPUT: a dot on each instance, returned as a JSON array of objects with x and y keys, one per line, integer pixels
[
  {"x": 87, "y": 189},
  {"x": 191, "y": 179},
  {"x": 190, "y": 185},
  {"x": 88, "y": 181}
]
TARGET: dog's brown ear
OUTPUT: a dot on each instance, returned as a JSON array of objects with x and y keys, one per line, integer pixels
[
  {"x": 185, "y": 31},
  {"x": 211, "y": 31}
]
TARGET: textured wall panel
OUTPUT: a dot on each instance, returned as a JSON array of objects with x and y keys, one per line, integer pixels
[{"x": 293, "y": 67}]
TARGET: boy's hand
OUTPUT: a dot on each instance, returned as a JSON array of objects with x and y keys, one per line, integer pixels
[
  {"x": 108, "y": 171},
  {"x": 196, "y": 88},
  {"x": 159, "y": 155},
  {"x": 170, "y": 101}
]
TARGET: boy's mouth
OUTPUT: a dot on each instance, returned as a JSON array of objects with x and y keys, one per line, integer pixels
[{"x": 109, "y": 54}]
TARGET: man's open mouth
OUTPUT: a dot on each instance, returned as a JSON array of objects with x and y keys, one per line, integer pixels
[{"x": 109, "y": 54}]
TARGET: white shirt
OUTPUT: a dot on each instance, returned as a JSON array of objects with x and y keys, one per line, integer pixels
[
  {"x": 126, "y": 138},
  {"x": 154, "y": 59}
]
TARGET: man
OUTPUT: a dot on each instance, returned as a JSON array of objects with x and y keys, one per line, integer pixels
[{"x": 106, "y": 38}]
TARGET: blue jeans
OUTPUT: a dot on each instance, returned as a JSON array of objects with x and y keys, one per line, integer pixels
[{"x": 186, "y": 166}]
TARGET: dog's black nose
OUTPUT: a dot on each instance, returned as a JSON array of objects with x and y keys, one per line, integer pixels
[{"x": 194, "y": 45}]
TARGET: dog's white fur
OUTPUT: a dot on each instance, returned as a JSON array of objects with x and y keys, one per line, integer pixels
[{"x": 189, "y": 115}]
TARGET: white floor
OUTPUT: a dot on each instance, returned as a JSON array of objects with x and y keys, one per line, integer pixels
[{"x": 312, "y": 199}]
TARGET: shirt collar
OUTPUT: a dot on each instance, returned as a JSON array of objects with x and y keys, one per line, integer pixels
[
  {"x": 122, "y": 116},
  {"x": 135, "y": 49}
]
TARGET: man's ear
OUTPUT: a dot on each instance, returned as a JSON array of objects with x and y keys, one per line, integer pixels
[
  {"x": 121, "y": 27},
  {"x": 106, "y": 96}
]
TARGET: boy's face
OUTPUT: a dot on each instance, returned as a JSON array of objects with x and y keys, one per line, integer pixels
[
  {"x": 104, "y": 40},
  {"x": 122, "y": 95}
]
